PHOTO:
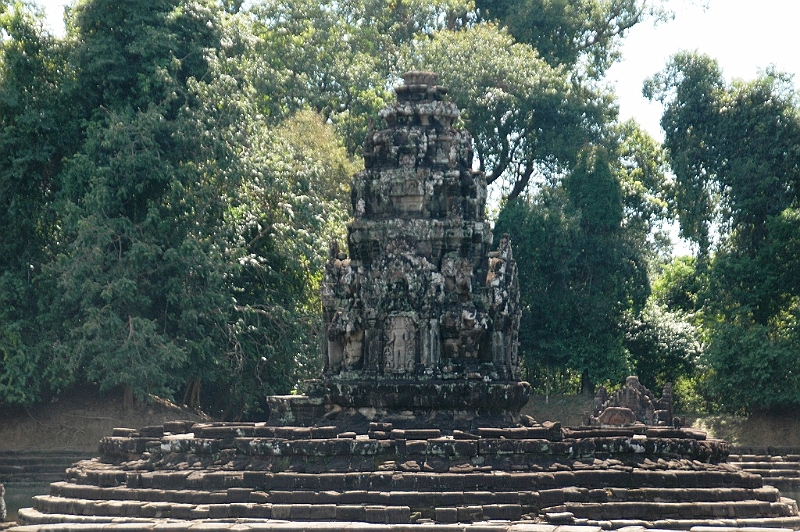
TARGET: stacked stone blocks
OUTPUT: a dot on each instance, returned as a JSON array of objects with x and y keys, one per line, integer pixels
[{"x": 251, "y": 472}]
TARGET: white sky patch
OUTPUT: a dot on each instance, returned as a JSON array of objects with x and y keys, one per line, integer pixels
[
  {"x": 744, "y": 36},
  {"x": 55, "y": 14}
]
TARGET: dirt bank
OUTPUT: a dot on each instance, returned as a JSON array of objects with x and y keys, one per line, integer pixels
[{"x": 77, "y": 421}]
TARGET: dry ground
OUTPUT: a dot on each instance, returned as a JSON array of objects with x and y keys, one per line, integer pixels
[
  {"x": 77, "y": 421},
  {"x": 762, "y": 429}
]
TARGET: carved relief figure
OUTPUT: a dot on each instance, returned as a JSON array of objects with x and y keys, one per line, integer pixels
[
  {"x": 353, "y": 349},
  {"x": 401, "y": 344}
]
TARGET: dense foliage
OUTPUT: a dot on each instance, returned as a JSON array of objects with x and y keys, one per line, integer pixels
[
  {"x": 735, "y": 151},
  {"x": 584, "y": 274},
  {"x": 158, "y": 233},
  {"x": 171, "y": 173}
]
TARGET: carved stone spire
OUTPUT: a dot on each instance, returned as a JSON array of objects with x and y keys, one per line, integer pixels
[{"x": 421, "y": 299}]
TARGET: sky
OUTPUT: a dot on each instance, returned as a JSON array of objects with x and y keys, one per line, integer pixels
[{"x": 745, "y": 36}]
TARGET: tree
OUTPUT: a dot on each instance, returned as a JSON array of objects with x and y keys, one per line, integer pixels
[
  {"x": 134, "y": 54},
  {"x": 285, "y": 217},
  {"x": 668, "y": 341},
  {"x": 141, "y": 263},
  {"x": 734, "y": 149},
  {"x": 663, "y": 344},
  {"x": 679, "y": 285},
  {"x": 689, "y": 88},
  {"x": 340, "y": 58},
  {"x": 584, "y": 33},
  {"x": 639, "y": 163},
  {"x": 529, "y": 115},
  {"x": 752, "y": 318},
  {"x": 527, "y": 118},
  {"x": 754, "y": 367},
  {"x": 170, "y": 235},
  {"x": 581, "y": 272},
  {"x": 38, "y": 130}
]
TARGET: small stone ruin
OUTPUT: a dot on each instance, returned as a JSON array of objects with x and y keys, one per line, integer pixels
[
  {"x": 416, "y": 424},
  {"x": 633, "y": 403}
]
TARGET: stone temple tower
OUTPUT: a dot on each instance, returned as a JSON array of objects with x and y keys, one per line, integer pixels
[{"x": 421, "y": 314}]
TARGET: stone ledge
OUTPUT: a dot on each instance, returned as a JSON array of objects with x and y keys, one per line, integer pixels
[
  {"x": 284, "y": 526},
  {"x": 68, "y": 523}
]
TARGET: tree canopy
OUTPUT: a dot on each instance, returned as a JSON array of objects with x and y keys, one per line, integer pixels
[
  {"x": 566, "y": 33},
  {"x": 165, "y": 229},
  {"x": 735, "y": 151},
  {"x": 584, "y": 270}
]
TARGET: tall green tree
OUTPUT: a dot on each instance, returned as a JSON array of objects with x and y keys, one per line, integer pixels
[
  {"x": 585, "y": 271},
  {"x": 689, "y": 88},
  {"x": 141, "y": 265},
  {"x": 286, "y": 215},
  {"x": 38, "y": 129},
  {"x": 171, "y": 236},
  {"x": 735, "y": 148}
]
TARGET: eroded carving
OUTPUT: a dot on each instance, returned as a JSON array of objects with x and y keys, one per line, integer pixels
[{"x": 642, "y": 405}]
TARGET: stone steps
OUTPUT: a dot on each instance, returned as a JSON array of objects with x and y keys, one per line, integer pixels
[
  {"x": 780, "y": 524},
  {"x": 71, "y": 523},
  {"x": 767, "y": 494},
  {"x": 605, "y": 474},
  {"x": 111, "y": 509},
  {"x": 107, "y": 511},
  {"x": 651, "y": 511},
  {"x": 398, "y": 507},
  {"x": 35, "y": 467},
  {"x": 769, "y": 463},
  {"x": 408, "y": 498},
  {"x": 66, "y": 523},
  {"x": 415, "y": 497},
  {"x": 101, "y": 489},
  {"x": 771, "y": 468},
  {"x": 778, "y": 467},
  {"x": 405, "y": 477}
]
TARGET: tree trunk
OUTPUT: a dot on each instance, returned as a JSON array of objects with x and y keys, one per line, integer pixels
[
  {"x": 587, "y": 387},
  {"x": 191, "y": 396},
  {"x": 127, "y": 398}
]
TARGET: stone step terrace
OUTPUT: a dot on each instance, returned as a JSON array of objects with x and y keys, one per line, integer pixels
[{"x": 252, "y": 474}]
